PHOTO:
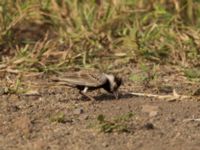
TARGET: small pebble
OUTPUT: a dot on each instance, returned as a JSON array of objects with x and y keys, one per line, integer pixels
[
  {"x": 172, "y": 119},
  {"x": 105, "y": 144},
  {"x": 149, "y": 126},
  {"x": 13, "y": 108},
  {"x": 78, "y": 111},
  {"x": 85, "y": 117}
]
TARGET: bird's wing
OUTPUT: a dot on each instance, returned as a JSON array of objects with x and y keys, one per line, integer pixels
[{"x": 90, "y": 79}]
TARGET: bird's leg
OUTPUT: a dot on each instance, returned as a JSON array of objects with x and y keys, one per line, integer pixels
[{"x": 84, "y": 94}]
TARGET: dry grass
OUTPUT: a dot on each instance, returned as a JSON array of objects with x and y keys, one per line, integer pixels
[{"x": 55, "y": 35}]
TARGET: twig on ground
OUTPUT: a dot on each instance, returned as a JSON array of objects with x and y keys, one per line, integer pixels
[
  {"x": 174, "y": 96},
  {"x": 192, "y": 119}
]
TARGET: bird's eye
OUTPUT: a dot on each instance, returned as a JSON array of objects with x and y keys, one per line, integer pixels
[{"x": 115, "y": 87}]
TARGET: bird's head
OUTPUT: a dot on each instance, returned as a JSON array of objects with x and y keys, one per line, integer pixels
[{"x": 114, "y": 84}]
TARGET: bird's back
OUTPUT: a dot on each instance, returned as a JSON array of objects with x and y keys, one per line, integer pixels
[{"x": 82, "y": 78}]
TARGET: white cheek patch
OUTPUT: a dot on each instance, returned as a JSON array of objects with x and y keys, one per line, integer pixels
[{"x": 111, "y": 80}]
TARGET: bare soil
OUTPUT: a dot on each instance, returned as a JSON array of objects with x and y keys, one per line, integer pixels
[{"x": 58, "y": 118}]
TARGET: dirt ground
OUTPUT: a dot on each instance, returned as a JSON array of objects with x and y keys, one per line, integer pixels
[{"x": 58, "y": 118}]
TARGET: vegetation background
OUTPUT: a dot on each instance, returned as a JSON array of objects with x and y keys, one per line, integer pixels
[{"x": 52, "y": 35}]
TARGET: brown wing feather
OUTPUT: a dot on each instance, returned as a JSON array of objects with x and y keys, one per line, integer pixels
[{"x": 90, "y": 79}]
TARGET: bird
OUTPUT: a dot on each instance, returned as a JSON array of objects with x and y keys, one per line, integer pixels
[{"x": 86, "y": 81}]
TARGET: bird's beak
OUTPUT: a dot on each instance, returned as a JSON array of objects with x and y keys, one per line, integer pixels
[{"x": 116, "y": 94}]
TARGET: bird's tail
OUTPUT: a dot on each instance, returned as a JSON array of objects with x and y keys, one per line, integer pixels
[{"x": 60, "y": 81}]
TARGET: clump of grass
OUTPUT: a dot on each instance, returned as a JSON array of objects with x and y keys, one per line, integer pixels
[
  {"x": 59, "y": 118},
  {"x": 192, "y": 73},
  {"x": 15, "y": 88},
  {"x": 117, "y": 124},
  {"x": 147, "y": 74},
  {"x": 86, "y": 33}
]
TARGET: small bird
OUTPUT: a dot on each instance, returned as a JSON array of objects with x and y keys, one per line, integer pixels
[{"x": 89, "y": 80}]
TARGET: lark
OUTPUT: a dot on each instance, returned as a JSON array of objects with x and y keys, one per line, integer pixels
[{"x": 86, "y": 81}]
